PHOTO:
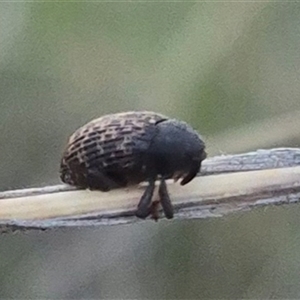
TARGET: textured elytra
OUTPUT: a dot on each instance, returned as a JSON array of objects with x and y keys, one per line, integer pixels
[{"x": 108, "y": 145}]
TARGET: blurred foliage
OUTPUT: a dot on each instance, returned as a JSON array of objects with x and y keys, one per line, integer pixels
[{"x": 219, "y": 66}]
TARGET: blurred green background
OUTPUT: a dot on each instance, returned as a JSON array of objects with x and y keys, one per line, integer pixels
[{"x": 229, "y": 69}]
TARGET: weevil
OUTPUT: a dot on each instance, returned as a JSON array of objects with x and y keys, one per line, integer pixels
[{"x": 122, "y": 149}]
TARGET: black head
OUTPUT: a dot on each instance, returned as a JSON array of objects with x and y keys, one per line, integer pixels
[{"x": 177, "y": 150}]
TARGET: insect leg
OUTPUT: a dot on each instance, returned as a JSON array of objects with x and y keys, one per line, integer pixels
[
  {"x": 192, "y": 173},
  {"x": 165, "y": 199},
  {"x": 97, "y": 180},
  {"x": 144, "y": 206}
]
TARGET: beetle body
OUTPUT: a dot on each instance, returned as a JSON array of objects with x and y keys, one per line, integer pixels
[{"x": 122, "y": 149}]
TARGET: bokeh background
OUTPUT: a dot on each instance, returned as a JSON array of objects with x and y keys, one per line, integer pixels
[{"x": 232, "y": 70}]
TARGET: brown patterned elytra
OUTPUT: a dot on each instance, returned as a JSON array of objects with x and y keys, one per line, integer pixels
[{"x": 123, "y": 149}]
